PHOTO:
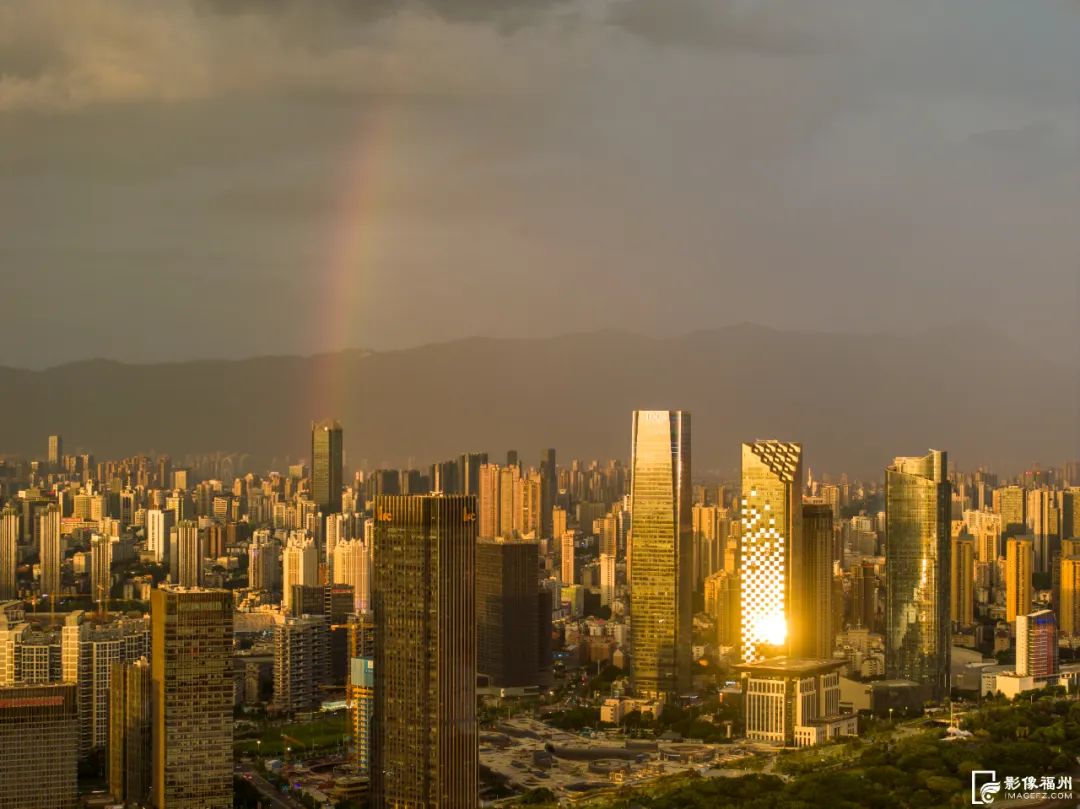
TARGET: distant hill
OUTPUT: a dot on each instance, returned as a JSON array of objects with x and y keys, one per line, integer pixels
[{"x": 854, "y": 401}]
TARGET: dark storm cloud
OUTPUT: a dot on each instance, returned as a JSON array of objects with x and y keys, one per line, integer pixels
[
  {"x": 229, "y": 178},
  {"x": 724, "y": 24}
]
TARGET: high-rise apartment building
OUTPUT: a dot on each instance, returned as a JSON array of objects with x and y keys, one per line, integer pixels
[
  {"x": 159, "y": 524},
  {"x": 360, "y": 691},
  {"x": 352, "y": 566},
  {"x": 1019, "y": 565},
  {"x": 962, "y": 582},
  {"x": 327, "y": 463},
  {"x": 301, "y": 662},
  {"x": 9, "y": 552},
  {"x": 507, "y": 584},
  {"x": 661, "y": 563},
  {"x": 567, "y": 557},
  {"x": 607, "y": 579},
  {"x": 39, "y": 747},
  {"x": 52, "y": 552},
  {"x": 1036, "y": 644},
  {"x": 299, "y": 565},
  {"x": 771, "y": 547},
  {"x": 130, "y": 733},
  {"x": 1011, "y": 503},
  {"x": 985, "y": 527},
  {"x": 812, "y": 585},
  {"x": 264, "y": 562},
  {"x": 1044, "y": 525},
  {"x": 426, "y": 743},
  {"x": 192, "y": 685},
  {"x": 100, "y": 568},
  {"x": 918, "y": 505},
  {"x": 89, "y": 649}
]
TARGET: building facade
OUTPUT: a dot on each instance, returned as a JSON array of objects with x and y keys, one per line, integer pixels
[
  {"x": 918, "y": 505},
  {"x": 39, "y": 747},
  {"x": 192, "y": 693},
  {"x": 771, "y": 544},
  {"x": 661, "y": 555},
  {"x": 424, "y": 600}
]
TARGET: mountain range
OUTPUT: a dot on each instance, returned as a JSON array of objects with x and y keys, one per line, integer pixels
[{"x": 854, "y": 401}]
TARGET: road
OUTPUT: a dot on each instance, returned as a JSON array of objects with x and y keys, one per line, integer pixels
[{"x": 273, "y": 797}]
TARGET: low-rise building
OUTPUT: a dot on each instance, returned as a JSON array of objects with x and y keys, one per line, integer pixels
[{"x": 794, "y": 702}]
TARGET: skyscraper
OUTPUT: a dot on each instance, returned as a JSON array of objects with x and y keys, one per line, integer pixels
[
  {"x": 426, "y": 743},
  {"x": 56, "y": 452},
  {"x": 507, "y": 584},
  {"x": 52, "y": 551},
  {"x": 918, "y": 506},
  {"x": 192, "y": 686},
  {"x": 9, "y": 552},
  {"x": 962, "y": 582},
  {"x": 812, "y": 585},
  {"x": 1019, "y": 565},
  {"x": 189, "y": 548},
  {"x": 771, "y": 547},
  {"x": 130, "y": 732},
  {"x": 661, "y": 577},
  {"x": 469, "y": 471},
  {"x": 549, "y": 474},
  {"x": 327, "y": 476}
]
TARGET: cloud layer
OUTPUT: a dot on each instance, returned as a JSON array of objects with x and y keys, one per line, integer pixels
[{"x": 216, "y": 178}]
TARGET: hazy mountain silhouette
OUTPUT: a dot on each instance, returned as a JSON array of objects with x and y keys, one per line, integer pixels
[{"x": 854, "y": 401}]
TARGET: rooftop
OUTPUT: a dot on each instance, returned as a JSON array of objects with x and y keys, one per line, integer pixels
[{"x": 791, "y": 665}]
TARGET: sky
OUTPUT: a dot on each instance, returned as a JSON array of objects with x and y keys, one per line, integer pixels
[{"x": 226, "y": 178}]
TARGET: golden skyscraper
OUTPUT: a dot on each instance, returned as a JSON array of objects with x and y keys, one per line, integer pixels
[
  {"x": 1069, "y": 611},
  {"x": 917, "y": 522},
  {"x": 192, "y": 686},
  {"x": 1019, "y": 563},
  {"x": 9, "y": 550},
  {"x": 962, "y": 594},
  {"x": 425, "y": 751},
  {"x": 661, "y": 567},
  {"x": 771, "y": 544}
]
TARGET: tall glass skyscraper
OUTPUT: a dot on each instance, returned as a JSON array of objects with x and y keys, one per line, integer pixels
[
  {"x": 917, "y": 525},
  {"x": 661, "y": 554},
  {"x": 770, "y": 545},
  {"x": 425, "y": 743},
  {"x": 326, "y": 466}
]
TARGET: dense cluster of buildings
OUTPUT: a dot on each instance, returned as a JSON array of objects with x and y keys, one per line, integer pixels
[{"x": 141, "y": 602}]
